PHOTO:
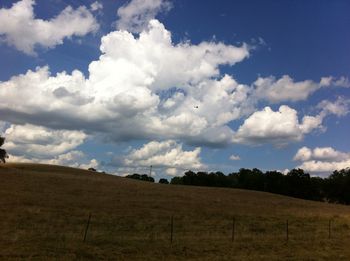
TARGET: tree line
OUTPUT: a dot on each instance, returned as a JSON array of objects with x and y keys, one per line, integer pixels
[
  {"x": 146, "y": 177},
  {"x": 296, "y": 183}
]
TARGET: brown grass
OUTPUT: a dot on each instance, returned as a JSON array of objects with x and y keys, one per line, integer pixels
[{"x": 44, "y": 210}]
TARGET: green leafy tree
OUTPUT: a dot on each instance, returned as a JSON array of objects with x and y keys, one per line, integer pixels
[
  {"x": 338, "y": 186},
  {"x": 275, "y": 182},
  {"x": 299, "y": 184}
]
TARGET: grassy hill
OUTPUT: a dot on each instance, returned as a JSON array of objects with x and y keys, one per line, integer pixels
[{"x": 45, "y": 208}]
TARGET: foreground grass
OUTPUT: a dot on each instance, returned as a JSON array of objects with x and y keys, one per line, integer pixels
[{"x": 44, "y": 213}]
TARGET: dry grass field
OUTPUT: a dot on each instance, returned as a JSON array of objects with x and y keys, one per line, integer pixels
[{"x": 44, "y": 213}]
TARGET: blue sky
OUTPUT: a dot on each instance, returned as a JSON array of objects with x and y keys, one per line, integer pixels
[{"x": 176, "y": 84}]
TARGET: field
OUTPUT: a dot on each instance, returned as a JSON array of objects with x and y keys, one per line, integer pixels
[{"x": 45, "y": 211}]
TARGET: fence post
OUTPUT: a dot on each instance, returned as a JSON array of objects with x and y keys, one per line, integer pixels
[
  {"x": 233, "y": 229},
  {"x": 87, "y": 227},
  {"x": 329, "y": 228},
  {"x": 287, "y": 231},
  {"x": 171, "y": 229}
]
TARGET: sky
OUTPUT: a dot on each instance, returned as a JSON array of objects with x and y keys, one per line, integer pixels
[{"x": 179, "y": 85}]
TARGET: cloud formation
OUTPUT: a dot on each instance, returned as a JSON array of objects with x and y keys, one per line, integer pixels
[
  {"x": 166, "y": 156},
  {"x": 283, "y": 126},
  {"x": 340, "y": 107},
  {"x": 283, "y": 89},
  {"x": 29, "y": 143},
  {"x": 41, "y": 142},
  {"x": 75, "y": 159},
  {"x": 276, "y": 127},
  {"x": 322, "y": 160},
  {"x": 19, "y": 27},
  {"x": 286, "y": 89},
  {"x": 145, "y": 87},
  {"x": 135, "y": 15}
]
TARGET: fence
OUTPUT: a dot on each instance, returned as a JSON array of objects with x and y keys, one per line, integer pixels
[
  {"x": 93, "y": 227},
  {"x": 178, "y": 229}
]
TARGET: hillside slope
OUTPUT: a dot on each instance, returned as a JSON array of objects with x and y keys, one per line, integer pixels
[{"x": 45, "y": 208}]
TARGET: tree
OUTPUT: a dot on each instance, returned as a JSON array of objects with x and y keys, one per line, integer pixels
[
  {"x": 189, "y": 178},
  {"x": 275, "y": 182},
  {"x": 337, "y": 186},
  {"x": 3, "y": 153},
  {"x": 298, "y": 184},
  {"x": 143, "y": 177},
  {"x": 250, "y": 179},
  {"x": 177, "y": 181},
  {"x": 163, "y": 181}
]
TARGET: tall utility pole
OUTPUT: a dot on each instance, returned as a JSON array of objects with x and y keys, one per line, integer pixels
[{"x": 150, "y": 171}]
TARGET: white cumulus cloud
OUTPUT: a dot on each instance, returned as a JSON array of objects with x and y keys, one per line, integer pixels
[
  {"x": 286, "y": 89},
  {"x": 40, "y": 142},
  {"x": 165, "y": 153},
  {"x": 75, "y": 158},
  {"x": 276, "y": 127},
  {"x": 135, "y": 15},
  {"x": 324, "y": 154},
  {"x": 340, "y": 107},
  {"x": 162, "y": 157},
  {"x": 283, "y": 126},
  {"x": 339, "y": 82},
  {"x": 29, "y": 143},
  {"x": 327, "y": 167},
  {"x": 145, "y": 86},
  {"x": 20, "y": 28},
  {"x": 322, "y": 159},
  {"x": 283, "y": 89},
  {"x": 303, "y": 154},
  {"x": 141, "y": 87}
]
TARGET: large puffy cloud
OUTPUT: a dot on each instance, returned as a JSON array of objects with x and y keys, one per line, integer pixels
[
  {"x": 166, "y": 155},
  {"x": 322, "y": 160},
  {"x": 283, "y": 126},
  {"x": 29, "y": 143},
  {"x": 286, "y": 89},
  {"x": 277, "y": 127},
  {"x": 41, "y": 142},
  {"x": 283, "y": 89},
  {"x": 20, "y": 28},
  {"x": 316, "y": 166},
  {"x": 153, "y": 60},
  {"x": 135, "y": 15},
  {"x": 303, "y": 154},
  {"x": 324, "y": 154},
  {"x": 145, "y": 87},
  {"x": 74, "y": 158}
]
